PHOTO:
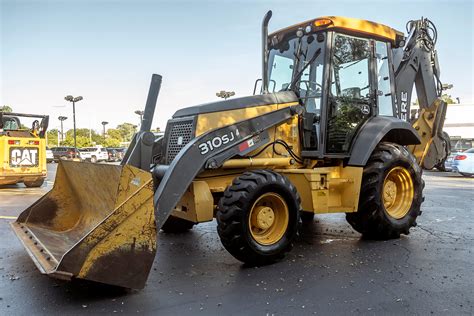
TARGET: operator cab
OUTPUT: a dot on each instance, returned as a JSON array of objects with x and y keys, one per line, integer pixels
[
  {"x": 11, "y": 125},
  {"x": 339, "y": 68}
]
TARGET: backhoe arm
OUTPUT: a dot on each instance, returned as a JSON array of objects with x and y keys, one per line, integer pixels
[{"x": 417, "y": 64}]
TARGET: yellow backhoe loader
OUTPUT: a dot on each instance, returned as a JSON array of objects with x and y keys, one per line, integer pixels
[
  {"x": 22, "y": 149},
  {"x": 329, "y": 132}
]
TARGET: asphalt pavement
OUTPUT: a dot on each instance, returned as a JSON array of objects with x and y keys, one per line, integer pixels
[{"x": 331, "y": 270}]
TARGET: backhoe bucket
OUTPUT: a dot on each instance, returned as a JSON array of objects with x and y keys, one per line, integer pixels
[{"x": 97, "y": 223}]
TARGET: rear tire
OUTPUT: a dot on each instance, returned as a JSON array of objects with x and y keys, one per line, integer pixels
[
  {"x": 447, "y": 146},
  {"x": 391, "y": 194},
  {"x": 258, "y": 216},
  {"x": 176, "y": 225},
  {"x": 306, "y": 217},
  {"x": 34, "y": 184},
  {"x": 441, "y": 166}
]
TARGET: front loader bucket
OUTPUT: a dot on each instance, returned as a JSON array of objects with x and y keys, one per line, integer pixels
[{"x": 97, "y": 223}]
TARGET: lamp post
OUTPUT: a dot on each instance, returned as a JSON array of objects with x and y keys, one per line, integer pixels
[
  {"x": 225, "y": 94},
  {"x": 72, "y": 99},
  {"x": 62, "y": 119},
  {"x": 140, "y": 113},
  {"x": 103, "y": 130}
]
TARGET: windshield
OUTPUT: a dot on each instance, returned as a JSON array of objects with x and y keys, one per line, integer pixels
[
  {"x": 297, "y": 64},
  {"x": 11, "y": 123}
]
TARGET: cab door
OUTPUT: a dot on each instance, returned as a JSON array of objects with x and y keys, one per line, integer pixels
[
  {"x": 351, "y": 98},
  {"x": 384, "y": 79}
]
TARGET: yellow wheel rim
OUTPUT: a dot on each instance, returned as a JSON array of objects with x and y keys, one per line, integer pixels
[
  {"x": 268, "y": 219},
  {"x": 398, "y": 192}
]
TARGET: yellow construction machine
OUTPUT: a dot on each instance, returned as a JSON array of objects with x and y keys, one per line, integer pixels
[
  {"x": 22, "y": 149},
  {"x": 330, "y": 132}
]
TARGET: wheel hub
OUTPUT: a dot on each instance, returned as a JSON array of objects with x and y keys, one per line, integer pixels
[
  {"x": 398, "y": 192},
  {"x": 389, "y": 192},
  {"x": 268, "y": 219},
  {"x": 265, "y": 217}
]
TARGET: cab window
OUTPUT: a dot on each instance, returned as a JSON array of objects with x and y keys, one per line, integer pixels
[
  {"x": 311, "y": 81},
  {"x": 10, "y": 124},
  {"x": 282, "y": 69},
  {"x": 349, "y": 101}
]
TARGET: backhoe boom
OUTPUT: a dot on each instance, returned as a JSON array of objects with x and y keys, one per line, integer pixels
[{"x": 417, "y": 64}]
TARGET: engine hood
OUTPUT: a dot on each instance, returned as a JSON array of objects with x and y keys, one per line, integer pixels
[{"x": 238, "y": 103}]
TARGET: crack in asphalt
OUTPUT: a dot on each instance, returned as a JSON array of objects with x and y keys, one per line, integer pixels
[
  {"x": 429, "y": 231},
  {"x": 441, "y": 234}
]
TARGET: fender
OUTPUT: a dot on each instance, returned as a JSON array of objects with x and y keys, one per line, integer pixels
[{"x": 377, "y": 129}]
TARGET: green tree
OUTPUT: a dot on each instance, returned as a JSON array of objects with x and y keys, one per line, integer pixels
[
  {"x": 127, "y": 130},
  {"x": 114, "y": 133},
  {"x": 447, "y": 98},
  {"x": 52, "y": 137},
  {"x": 82, "y": 137},
  {"x": 111, "y": 142},
  {"x": 82, "y": 141},
  {"x": 6, "y": 108}
]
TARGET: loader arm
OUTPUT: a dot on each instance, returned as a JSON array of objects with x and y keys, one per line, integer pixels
[
  {"x": 172, "y": 181},
  {"x": 417, "y": 64},
  {"x": 140, "y": 151}
]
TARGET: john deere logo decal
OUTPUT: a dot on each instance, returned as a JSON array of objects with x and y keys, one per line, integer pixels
[{"x": 23, "y": 157}]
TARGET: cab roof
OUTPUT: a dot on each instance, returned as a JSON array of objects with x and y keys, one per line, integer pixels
[{"x": 350, "y": 25}]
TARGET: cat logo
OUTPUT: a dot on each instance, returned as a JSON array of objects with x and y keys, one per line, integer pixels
[{"x": 23, "y": 157}]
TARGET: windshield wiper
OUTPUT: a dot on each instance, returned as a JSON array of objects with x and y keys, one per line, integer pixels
[{"x": 298, "y": 75}]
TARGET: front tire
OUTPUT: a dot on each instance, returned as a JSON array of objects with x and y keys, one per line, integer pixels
[
  {"x": 441, "y": 167},
  {"x": 391, "y": 194},
  {"x": 257, "y": 217}
]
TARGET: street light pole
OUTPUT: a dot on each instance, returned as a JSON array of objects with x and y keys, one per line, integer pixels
[
  {"x": 103, "y": 126},
  {"x": 72, "y": 99},
  {"x": 62, "y": 118},
  {"x": 140, "y": 113}
]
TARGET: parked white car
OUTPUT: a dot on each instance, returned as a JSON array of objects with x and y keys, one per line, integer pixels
[
  {"x": 49, "y": 155},
  {"x": 94, "y": 154},
  {"x": 464, "y": 163}
]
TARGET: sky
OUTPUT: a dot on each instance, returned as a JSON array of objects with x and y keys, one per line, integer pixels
[{"x": 106, "y": 51}]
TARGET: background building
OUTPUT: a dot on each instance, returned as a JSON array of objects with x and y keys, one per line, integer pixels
[{"x": 459, "y": 125}]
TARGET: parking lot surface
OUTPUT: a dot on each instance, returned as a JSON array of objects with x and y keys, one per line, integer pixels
[{"x": 331, "y": 270}]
